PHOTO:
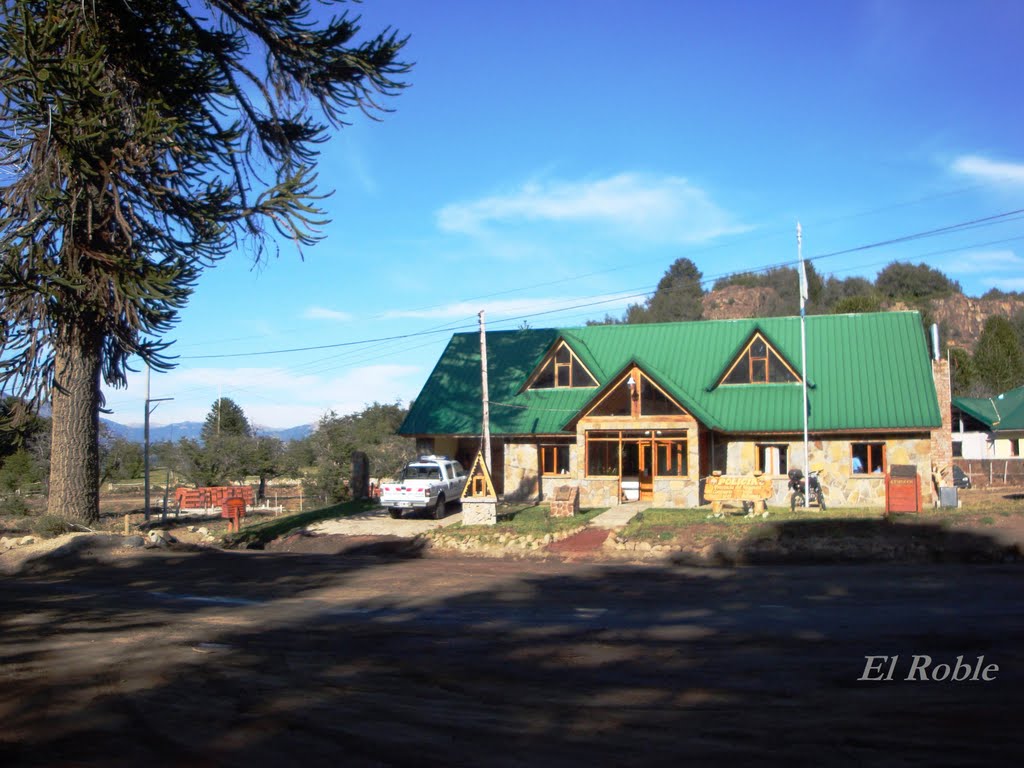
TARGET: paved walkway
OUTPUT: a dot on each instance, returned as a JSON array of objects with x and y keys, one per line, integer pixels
[{"x": 617, "y": 517}]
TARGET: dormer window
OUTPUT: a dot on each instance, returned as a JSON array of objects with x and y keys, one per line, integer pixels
[
  {"x": 562, "y": 370},
  {"x": 759, "y": 363}
]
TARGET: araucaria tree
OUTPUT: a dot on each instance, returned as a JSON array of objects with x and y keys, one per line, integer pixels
[{"x": 141, "y": 142}]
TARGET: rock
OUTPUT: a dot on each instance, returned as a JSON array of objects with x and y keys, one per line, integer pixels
[
  {"x": 134, "y": 541},
  {"x": 26, "y": 540},
  {"x": 161, "y": 539},
  {"x": 203, "y": 531},
  {"x": 191, "y": 529},
  {"x": 5, "y": 543}
]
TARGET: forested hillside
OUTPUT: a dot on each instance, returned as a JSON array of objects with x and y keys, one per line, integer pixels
[{"x": 984, "y": 336}]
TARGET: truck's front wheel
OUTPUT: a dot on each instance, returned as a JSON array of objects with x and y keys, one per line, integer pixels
[{"x": 439, "y": 507}]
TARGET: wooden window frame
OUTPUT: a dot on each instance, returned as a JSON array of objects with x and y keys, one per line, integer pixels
[
  {"x": 871, "y": 459},
  {"x": 638, "y": 377},
  {"x": 558, "y": 368},
  {"x": 549, "y": 459},
  {"x": 658, "y": 443},
  {"x": 759, "y": 450},
  {"x": 747, "y": 357}
]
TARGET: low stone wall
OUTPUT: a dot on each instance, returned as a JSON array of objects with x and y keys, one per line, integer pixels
[
  {"x": 683, "y": 493},
  {"x": 599, "y": 492},
  {"x": 500, "y": 545}
]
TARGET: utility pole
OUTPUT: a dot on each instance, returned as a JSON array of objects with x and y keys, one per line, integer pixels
[
  {"x": 485, "y": 393},
  {"x": 803, "y": 358},
  {"x": 145, "y": 433}
]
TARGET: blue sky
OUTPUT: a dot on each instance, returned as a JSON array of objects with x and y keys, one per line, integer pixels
[{"x": 550, "y": 154}]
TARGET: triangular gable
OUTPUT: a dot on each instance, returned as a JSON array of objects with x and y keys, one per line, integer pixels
[
  {"x": 478, "y": 484},
  {"x": 560, "y": 368},
  {"x": 632, "y": 392},
  {"x": 758, "y": 362}
]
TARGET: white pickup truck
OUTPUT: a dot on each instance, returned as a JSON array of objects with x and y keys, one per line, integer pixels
[{"x": 429, "y": 483}]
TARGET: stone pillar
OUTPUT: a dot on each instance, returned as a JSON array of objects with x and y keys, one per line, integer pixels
[
  {"x": 942, "y": 437},
  {"x": 479, "y": 510},
  {"x": 566, "y": 502}
]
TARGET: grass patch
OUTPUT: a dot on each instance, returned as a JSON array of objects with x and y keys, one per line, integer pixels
[
  {"x": 256, "y": 535},
  {"x": 660, "y": 525},
  {"x": 533, "y": 520},
  {"x": 1005, "y": 502}
]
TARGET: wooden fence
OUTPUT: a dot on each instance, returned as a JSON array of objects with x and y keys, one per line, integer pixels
[{"x": 987, "y": 473}]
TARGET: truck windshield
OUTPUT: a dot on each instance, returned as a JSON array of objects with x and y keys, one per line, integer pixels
[{"x": 422, "y": 473}]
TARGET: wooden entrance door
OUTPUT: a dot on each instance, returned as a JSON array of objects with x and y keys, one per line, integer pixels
[{"x": 646, "y": 470}]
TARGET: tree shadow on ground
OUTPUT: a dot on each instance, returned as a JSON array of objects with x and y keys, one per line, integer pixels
[
  {"x": 859, "y": 541},
  {"x": 369, "y": 661}
]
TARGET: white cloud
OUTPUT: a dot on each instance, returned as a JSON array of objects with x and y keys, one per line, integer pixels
[
  {"x": 977, "y": 262},
  {"x": 321, "y": 313},
  {"x": 1010, "y": 284},
  {"x": 984, "y": 169},
  {"x": 659, "y": 208},
  {"x": 515, "y": 307},
  {"x": 273, "y": 397}
]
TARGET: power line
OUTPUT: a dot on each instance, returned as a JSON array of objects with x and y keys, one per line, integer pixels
[{"x": 644, "y": 291}]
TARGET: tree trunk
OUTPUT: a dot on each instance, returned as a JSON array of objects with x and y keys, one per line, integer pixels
[{"x": 74, "y": 448}]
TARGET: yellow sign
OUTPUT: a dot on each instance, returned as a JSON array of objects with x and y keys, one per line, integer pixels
[{"x": 737, "y": 488}]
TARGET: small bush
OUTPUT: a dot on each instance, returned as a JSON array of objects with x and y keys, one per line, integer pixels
[
  {"x": 13, "y": 506},
  {"x": 49, "y": 526}
]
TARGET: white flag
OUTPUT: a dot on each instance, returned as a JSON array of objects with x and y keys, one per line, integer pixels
[{"x": 803, "y": 283}]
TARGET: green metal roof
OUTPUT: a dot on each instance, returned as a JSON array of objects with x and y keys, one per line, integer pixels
[
  {"x": 868, "y": 371},
  {"x": 1004, "y": 413}
]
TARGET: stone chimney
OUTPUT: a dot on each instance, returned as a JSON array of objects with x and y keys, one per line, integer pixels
[{"x": 942, "y": 437}]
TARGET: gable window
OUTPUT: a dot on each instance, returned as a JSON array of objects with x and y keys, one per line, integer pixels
[
  {"x": 562, "y": 370},
  {"x": 759, "y": 363},
  {"x": 772, "y": 458},
  {"x": 554, "y": 459},
  {"x": 867, "y": 458},
  {"x": 654, "y": 402},
  {"x": 624, "y": 399}
]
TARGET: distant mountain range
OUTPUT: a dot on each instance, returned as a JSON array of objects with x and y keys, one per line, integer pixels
[{"x": 192, "y": 429}]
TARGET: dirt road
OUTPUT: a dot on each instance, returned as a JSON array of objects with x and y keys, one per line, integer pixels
[{"x": 356, "y": 659}]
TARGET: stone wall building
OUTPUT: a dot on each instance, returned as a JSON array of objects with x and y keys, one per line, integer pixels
[{"x": 647, "y": 412}]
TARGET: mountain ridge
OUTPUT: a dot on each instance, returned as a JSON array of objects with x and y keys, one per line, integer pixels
[{"x": 193, "y": 429}]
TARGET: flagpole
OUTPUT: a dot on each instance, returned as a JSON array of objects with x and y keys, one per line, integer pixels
[
  {"x": 803, "y": 358},
  {"x": 486, "y": 415}
]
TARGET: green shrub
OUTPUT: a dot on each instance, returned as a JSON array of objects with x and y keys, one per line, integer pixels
[
  {"x": 13, "y": 505},
  {"x": 49, "y": 526}
]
